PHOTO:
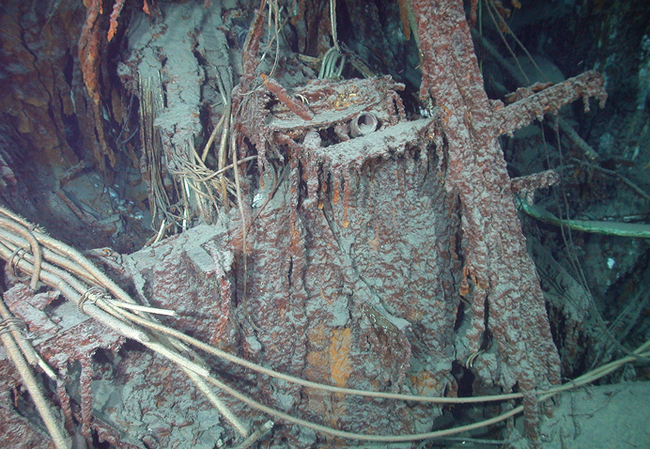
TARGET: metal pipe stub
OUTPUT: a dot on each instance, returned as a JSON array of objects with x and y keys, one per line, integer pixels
[{"x": 362, "y": 124}]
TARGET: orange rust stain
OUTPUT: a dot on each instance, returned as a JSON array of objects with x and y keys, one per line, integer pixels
[
  {"x": 340, "y": 364},
  {"x": 374, "y": 243},
  {"x": 425, "y": 383},
  {"x": 317, "y": 336},
  {"x": 346, "y": 201},
  {"x": 317, "y": 362}
]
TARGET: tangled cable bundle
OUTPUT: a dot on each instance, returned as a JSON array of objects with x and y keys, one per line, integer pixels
[{"x": 61, "y": 267}]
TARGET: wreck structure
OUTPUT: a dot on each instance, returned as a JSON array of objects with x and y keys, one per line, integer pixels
[{"x": 352, "y": 238}]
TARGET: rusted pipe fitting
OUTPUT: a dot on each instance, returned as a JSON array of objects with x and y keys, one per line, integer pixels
[{"x": 362, "y": 124}]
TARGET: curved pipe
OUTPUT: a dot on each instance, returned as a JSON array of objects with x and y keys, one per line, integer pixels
[{"x": 362, "y": 124}]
